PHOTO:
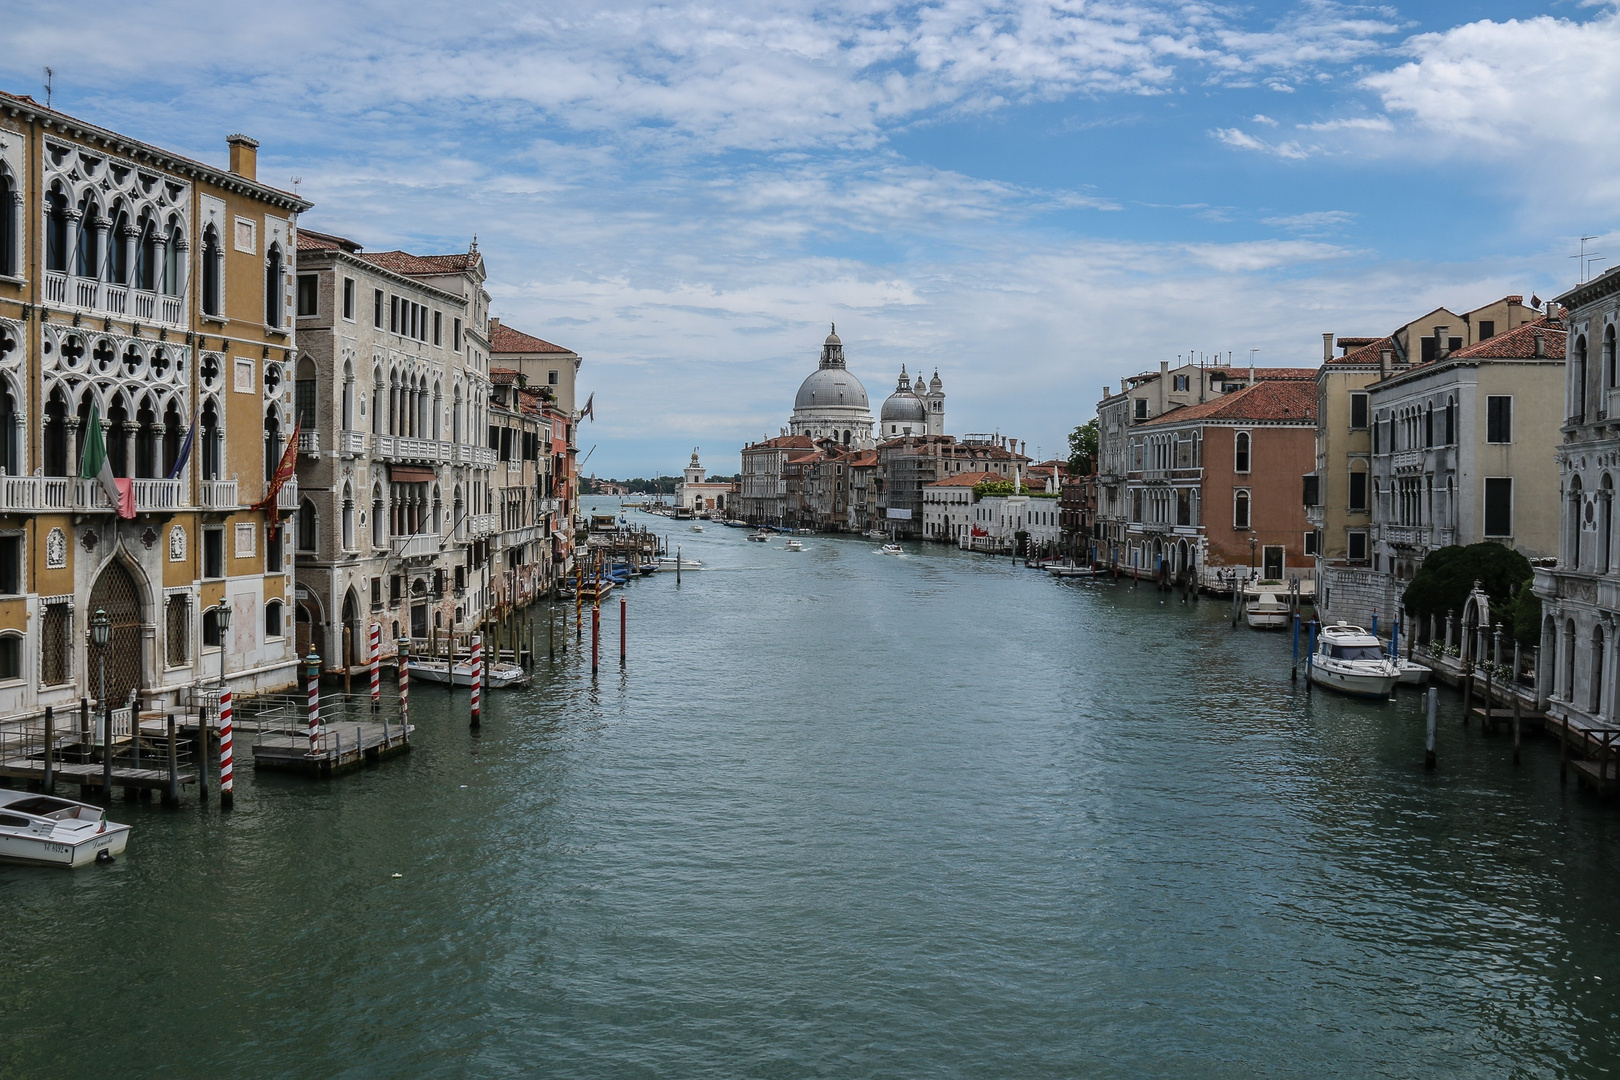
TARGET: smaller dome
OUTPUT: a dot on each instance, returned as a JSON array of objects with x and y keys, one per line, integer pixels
[
  {"x": 832, "y": 338},
  {"x": 903, "y": 406}
]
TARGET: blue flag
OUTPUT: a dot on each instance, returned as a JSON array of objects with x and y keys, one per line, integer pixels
[{"x": 184, "y": 455}]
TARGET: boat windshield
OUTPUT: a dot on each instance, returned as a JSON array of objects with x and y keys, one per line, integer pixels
[
  {"x": 43, "y": 806},
  {"x": 1357, "y": 652}
]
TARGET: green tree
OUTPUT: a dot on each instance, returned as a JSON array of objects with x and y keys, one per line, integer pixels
[
  {"x": 1527, "y": 616},
  {"x": 1447, "y": 576},
  {"x": 1083, "y": 448}
]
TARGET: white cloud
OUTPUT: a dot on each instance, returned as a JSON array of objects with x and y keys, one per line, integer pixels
[
  {"x": 1315, "y": 221},
  {"x": 1242, "y": 140},
  {"x": 1353, "y": 123}
]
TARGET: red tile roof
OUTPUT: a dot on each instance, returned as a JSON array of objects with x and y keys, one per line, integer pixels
[
  {"x": 310, "y": 240},
  {"x": 967, "y": 479},
  {"x": 1519, "y": 343},
  {"x": 785, "y": 442},
  {"x": 1370, "y": 352},
  {"x": 501, "y": 376},
  {"x": 403, "y": 262},
  {"x": 1274, "y": 401},
  {"x": 504, "y": 339}
]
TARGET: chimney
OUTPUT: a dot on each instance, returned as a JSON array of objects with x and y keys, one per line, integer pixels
[
  {"x": 1541, "y": 343},
  {"x": 1327, "y": 347},
  {"x": 1385, "y": 358},
  {"x": 1442, "y": 335},
  {"x": 244, "y": 156}
]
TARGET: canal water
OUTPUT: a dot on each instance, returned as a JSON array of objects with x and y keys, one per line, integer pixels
[{"x": 849, "y": 814}]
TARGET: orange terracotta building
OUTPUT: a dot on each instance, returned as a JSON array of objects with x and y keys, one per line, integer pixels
[{"x": 1218, "y": 487}]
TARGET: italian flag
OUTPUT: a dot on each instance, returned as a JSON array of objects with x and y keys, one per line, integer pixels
[{"x": 94, "y": 466}]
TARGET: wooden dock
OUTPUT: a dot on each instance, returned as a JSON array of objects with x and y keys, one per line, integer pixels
[
  {"x": 88, "y": 775},
  {"x": 342, "y": 746}
]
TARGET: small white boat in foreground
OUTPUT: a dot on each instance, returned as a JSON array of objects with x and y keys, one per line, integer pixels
[
  {"x": 499, "y": 674},
  {"x": 1352, "y": 661},
  {"x": 1266, "y": 612},
  {"x": 697, "y": 528},
  {"x": 892, "y": 549},
  {"x": 48, "y": 831},
  {"x": 795, "y": 545},
  {"x": 668, "y": 562},
  {"x": 761, "y": 537},
  {"x": 1059, "y": 570}
]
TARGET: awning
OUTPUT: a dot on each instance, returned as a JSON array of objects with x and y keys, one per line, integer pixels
[{"x": 411, "y": 474}]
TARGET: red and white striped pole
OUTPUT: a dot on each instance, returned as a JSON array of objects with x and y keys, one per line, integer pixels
[
  {"x": 477, "y": 676},
  {"x": 227, "y": 779},
  {"x": 376, "y": 667},
  {"x": 312, "y": 680},
  {"x": 404, "y": 662}
]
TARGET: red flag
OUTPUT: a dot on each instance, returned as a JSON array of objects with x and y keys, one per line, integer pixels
[
  {"x": 284, "y": 471},
  {"x": 126, "y": 496}
]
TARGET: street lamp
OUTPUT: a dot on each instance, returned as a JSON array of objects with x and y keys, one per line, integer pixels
[
  {"x": 1253, "y": 543},
  {"x": 100, "y": 632},
  {"x": 222, "y": 619}
]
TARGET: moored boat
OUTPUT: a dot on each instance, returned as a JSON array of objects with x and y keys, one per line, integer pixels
[
  {"x": 1413, "y": 673},
  {"x": 498, "y": 674},
  {"x": 1352, "y": 661},
  {"x": 1059, "y": 570},
  {"x": 48, "y": 831},
  {"x": 668, "y": 562},
  {"x": 1263, "y": 611}
]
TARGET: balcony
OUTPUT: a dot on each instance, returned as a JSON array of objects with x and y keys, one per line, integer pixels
[
  {"x": 287, "y": 497},
  {"x": 216, "y": 494},
  {"x": 108, "y": 298},
  {"x": 151, "y": 496},
  {"x": 480, "y": 525},
  {"x": 309, "y": 442},
  {"x": 419, "y": 545},
  {"x": 1407, "y": 461},
  {"x": 1316, "y": 515},
  {"x": 483, "y": 457},
  {"x": 407, "y": 448},
  {"x": 352, "y": 443}
]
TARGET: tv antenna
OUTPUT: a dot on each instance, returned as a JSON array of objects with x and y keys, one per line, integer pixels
[
  {"x": 1585, "y": 256},
  {"x": 49, "y": 77}
]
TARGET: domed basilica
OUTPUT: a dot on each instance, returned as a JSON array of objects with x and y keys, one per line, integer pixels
[{"x": 832, "y": 404}]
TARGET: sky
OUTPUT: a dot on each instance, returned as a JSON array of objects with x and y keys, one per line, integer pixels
[{"x": 1033, "y": 198}]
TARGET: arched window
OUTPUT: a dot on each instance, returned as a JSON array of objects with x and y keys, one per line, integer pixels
[
  {"x": 173, "y": 431},
  {"x": 1240, "y": 509},
  {"x": 1605, "y": 523},
  {"x": 118, "y": 248},
  {"x": 348, "y": 518},
  {"x": 1574, "y": 529},
  {"x": 56, "y": 230},
  {"x": 438, "y": 409},
  {"x": 212, "y": 440},
  {"x": 306, "y": 525},
  {"x": 348, "y": 396},
  {"x": 174, "y": 260},
  {"x": 1578, "y": 373},
  {"x": 56, "y": 434},
  {"x": 11, "y": 459},
  {"x": 272, "y": 442},
  {"x": 379, "y": 519},
  {"x": 213, "y": 270},
  {"x": 272, "y": 619},
  {"x": 1608, "y": 357},
  {"x": 377, "y": 401},
  {"x": 1240, "y": 459},
  {"x": 8, "y": 224},
  {"x": 455, "y": 416},
  {"x": 273, "y": 286},
  {"x": 304, "y": 394},
  {"x": 1595, "y": 678},
  {"x": 146, "y": 254},
  {"x": 1569, "y": 660},
  {"x": 147, "y": 437}
]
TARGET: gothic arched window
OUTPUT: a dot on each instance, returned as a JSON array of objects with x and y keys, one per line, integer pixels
[
  {"x": 87, "y": 264},
  {"x": 272, "y": 286},
  {"x": 8, "y": 225},
  {"x": 213, "y": 269},
  {"x": 56, "y": 230}
]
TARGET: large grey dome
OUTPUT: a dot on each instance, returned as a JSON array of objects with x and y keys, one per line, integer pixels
[
  {"x": 903, "y": 407},
  {"x": 831, "y": 387}
]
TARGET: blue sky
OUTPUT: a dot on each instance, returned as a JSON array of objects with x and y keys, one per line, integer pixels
[{"x": 1034, "y": 197}]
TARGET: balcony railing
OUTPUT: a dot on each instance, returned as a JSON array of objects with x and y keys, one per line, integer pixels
[
  {"x": 483, "y": 457},
  {"x": 409, "y": 448},
  {"x": 309, "y": 442},
  {"x": 287, "y": 497},
  {"x": 352, "y": 443},
  {"x": 216, "y": 494},
  {"x": 482, "y": 524},
  {"x": 110, "y": 298},
  {"x": 1406, "y": 459},
  {"x": 150, "y": 496},
  {"x": 419, "y": 545}
]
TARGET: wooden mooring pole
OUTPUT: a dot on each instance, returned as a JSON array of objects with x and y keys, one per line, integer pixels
[
  {"x": 1514, "y": 685},
  {"x": 50, "y": 751},
  {"x": 227, "y": 776},
  {"x": 171, "y": 794},
  {"x": 622, "y": 623},
  {"x": 1428, "y": 746},
  {"x": 477, "y": 680}
]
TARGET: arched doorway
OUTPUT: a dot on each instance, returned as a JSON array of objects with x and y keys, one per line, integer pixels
[
  {"x": 353, "y": 629},
  {"x": 310, "y": 628},
  {"x": 117, "y": 593}
]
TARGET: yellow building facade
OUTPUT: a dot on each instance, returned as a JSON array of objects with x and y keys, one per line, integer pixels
[{"x": 155, "y": 293}]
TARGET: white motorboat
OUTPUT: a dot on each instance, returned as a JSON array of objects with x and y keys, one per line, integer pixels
[
  {"x": 795, "y": 545},
  {"x": 697, "y": 528},
  {"x": 1353, "y": 661},
  {"x": 1059, "y": 570},
  {"x": 499, "y": 674},
  {"x": 668, "y": 562},
  {"x": 1264, "y": 611},
  {"x": 48, "y": 831},
  {"x": 892, "y": 549},
  {"x": 761, "y": 537},
  {"x": 1413, "y": 673}
]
